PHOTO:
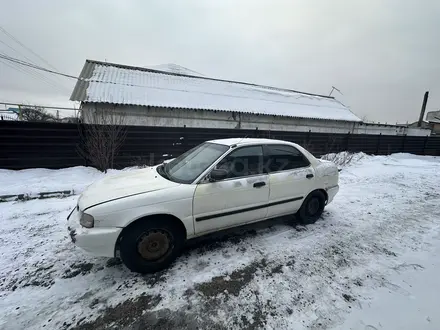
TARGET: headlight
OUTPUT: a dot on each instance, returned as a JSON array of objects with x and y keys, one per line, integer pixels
[{"x": 86, "y": 220}]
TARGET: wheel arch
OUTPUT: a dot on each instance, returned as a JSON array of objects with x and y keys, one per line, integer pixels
[
  {"x": 324, "y": 192},
  {"x": 307, "y": 219},
  {"x": 321, "y": 190},
  {"x": 151, "y": 217}
]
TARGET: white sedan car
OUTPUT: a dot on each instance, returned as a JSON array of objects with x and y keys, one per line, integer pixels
[{"x": 145, "y": 216}]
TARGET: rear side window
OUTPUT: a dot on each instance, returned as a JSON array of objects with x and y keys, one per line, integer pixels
[{"x": 283, "y": 158}]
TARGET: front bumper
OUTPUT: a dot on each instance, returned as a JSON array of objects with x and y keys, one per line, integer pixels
[
  {"x": 96, "y": 241},
  {"x": 331, "y": 193}
]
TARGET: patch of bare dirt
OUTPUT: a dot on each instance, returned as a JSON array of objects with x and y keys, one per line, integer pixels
[
  {"x": 76, "y": 269},
  {"x": 232, "y": 283},
  {"x": 121, "y": 315}
]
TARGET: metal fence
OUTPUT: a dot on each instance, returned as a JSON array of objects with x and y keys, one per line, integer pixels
[{"x": 55, "y": 145}]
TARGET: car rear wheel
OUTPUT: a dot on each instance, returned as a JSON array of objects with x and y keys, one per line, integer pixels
[
  {"x": 148, "y": 246},
  {"x": 312, "y": 208}
]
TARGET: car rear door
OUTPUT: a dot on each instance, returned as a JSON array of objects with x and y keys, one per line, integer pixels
[
  {"x": 290, "y": 178},
  {"x": 240, "y": 198}
]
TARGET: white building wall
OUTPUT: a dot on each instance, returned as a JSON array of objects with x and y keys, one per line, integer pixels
[
  {"x": 149, "y": 116},
  {"x": 417, "y": 131}
]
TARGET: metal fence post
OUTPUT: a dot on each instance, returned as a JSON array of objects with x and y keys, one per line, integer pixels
[
  {"x": 348, "y": 138},
  {"x": 185, "y": 139},
  {"x": 424, "y": 144},
  {"x": 327, "y": 149},
  {"x": 378, "y": 144},
  {"x": 403, "y": 143}
]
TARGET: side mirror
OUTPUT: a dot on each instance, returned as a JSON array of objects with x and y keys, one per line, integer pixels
[{"x": 218, "y": 175}]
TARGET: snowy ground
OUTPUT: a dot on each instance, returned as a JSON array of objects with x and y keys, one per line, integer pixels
[
  {"x": 376, "y": 246},
  {"x": 410, "y": 299},
  {"x": 34, "y": 181}
]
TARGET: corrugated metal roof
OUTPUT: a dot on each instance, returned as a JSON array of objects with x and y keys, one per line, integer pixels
[
  {"x": 120, "y": 84},
  {"x": 433, "y": 116},
  {"x": 174, "y": 68}
]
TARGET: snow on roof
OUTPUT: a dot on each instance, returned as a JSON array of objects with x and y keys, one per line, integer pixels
[
  {"x": 174, "y": 68},
  {"x": 240, "y": 141},
  {"x": 119, "y": 84},
  {"x": 433, "y": 116}
]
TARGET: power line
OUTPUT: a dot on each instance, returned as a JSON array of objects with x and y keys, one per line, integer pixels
[
  {"x": 10, "y": 65},
  {"x": 31, "y": 51},
  {"x": 15, "y": 60},
  {"x": 31, "y": 74},
  {"x": 43, "y": 77},
  {"x": 16, "y": 65},
  {"x": 34, "y": 74},
  {"x": 25, "y": 47},
  {"x": 15, "y": 50}
]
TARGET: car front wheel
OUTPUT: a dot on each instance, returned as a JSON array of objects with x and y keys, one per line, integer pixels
[
  {"x": 150, "y": 245},
  {"x": 312, "y": 208}
]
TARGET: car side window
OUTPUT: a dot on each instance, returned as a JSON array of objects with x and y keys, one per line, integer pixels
[
  {"x": 242, "y": 162},
  {"x": 283, "y": 157}
]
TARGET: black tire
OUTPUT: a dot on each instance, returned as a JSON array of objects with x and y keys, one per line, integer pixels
[
  {"x": 150, "y": 245},
  {"x": 312, "y": 208}
]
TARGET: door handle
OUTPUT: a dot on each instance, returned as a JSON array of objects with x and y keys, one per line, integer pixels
[
  {"x": 309, "y": 176},
  {"x": 259, "y": 184}
]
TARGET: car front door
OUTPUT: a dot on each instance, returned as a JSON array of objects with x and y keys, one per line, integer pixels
[
  {"x": 240, "y": 198},
  {"x": 290, "y": 178}
]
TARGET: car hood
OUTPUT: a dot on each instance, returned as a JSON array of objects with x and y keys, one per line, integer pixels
[{"x": 123, "y": 185}]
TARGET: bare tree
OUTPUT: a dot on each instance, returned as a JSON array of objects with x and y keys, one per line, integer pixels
[
  {"x": 29, "y": 113},
  {"x": 102, "y": 136},
  {"x": 342, "y": 159},
  {"x": 330, "y": 144}
]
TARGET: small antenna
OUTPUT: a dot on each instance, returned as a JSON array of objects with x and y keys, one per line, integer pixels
[
  {"x": 334, "y": 88},
  {"x": 242, "y": 139}
]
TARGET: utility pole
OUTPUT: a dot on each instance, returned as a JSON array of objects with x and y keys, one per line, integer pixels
[{"x": 422, "y": 112}]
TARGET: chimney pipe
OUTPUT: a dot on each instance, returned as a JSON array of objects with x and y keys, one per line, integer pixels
[{"x": 422, "y": 112}]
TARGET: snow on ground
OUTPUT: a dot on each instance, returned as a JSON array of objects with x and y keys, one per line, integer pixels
[
  {"x": 408, "y": 301},
  {"x": 270, "y": 276},
  {"x": 34, "y": 181}
]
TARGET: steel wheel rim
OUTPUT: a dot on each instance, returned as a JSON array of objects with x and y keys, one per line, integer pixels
[
  {"x": 154, "y": 245},
  {"x": 313, "y": 206}
]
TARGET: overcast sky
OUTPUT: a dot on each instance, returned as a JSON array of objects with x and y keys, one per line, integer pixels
[{"x": 382, "y": 54}]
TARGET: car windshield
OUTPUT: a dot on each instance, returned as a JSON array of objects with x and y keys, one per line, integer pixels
[{"x": 188, "y": 166}]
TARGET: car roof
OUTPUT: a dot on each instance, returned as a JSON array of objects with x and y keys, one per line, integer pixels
[{"x": 248, "y": 141}]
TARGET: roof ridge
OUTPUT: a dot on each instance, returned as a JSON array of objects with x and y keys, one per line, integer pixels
[
  {"x": 173, "y": 66},
  {"x": 131, "y": 67}
]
